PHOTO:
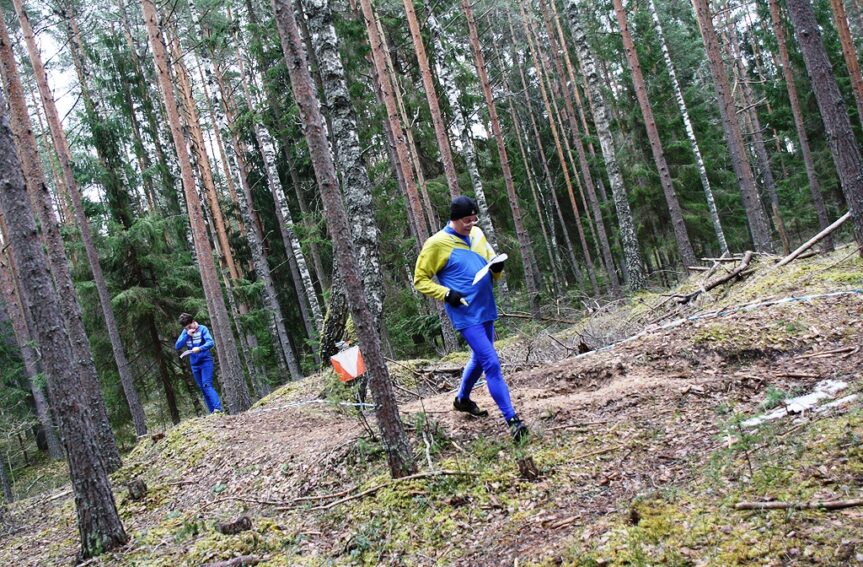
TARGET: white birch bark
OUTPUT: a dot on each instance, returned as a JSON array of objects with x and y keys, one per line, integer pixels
[
  {"x": 353, "y": 175},
  {"x": 631, "y": 252},
  {"x": 690, "y": 132},
  {"x": 278, "y": 330},
  {"x": 467, "y": 150}
]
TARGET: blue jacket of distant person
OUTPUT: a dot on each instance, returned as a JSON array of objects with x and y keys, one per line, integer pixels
[
  {"x": 455, "y": 260},
  {"x": 200, "y": 338}
]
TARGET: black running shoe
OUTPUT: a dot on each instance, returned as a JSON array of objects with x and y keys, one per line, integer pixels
[
  {"x": 469, "y": 406},
  {"x": 517, "y": 429}
]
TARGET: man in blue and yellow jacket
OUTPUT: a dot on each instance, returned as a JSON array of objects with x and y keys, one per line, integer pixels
[{"x": 455, "y": 255}]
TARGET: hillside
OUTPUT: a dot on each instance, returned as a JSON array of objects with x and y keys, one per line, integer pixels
[{"x": 641, "y": 450}]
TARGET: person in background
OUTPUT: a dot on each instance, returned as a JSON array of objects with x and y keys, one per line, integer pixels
[
  {"x": 198, "y": 342},
  {"x": 454, "y": 256}
]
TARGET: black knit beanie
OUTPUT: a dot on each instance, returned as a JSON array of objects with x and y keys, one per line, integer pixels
[{"x": 462, "y": 207}]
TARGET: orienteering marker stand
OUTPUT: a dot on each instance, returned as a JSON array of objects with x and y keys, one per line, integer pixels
[{"x": 349, "y": 364}]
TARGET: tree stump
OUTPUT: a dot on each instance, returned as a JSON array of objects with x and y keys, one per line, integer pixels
[
  {"x": 527, "y": 468},
  {"x": 137, "y": 489},
  {"x": 241, "y": 524}
]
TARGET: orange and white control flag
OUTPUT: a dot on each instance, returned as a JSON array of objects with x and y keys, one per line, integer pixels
[{"x": 349, "y": 364}]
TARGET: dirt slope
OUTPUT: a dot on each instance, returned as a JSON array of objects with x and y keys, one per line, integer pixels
[{"x": 639, "y": 447}]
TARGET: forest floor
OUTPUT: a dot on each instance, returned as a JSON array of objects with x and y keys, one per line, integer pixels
[{"x": 641, "y": 450}]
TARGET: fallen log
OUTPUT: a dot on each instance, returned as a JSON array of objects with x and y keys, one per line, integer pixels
[
  {"x": 809, "y": 243},
  {"x": 812, "y": 505},
  {"x": 734, "y": 258},
  {"x": 739, "y": 271}
]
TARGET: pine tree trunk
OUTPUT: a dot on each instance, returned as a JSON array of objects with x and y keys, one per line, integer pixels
[
  {"x": 631, "y": 252},
  {"x": 278, "y": 331},
  {"x": 588, "y": 261},
  {"x": 54, "y": 243},
  {"x": 61, "y": 196},
  {"x": 570, "y": 249},
  {"x": 800, "y": 125},
  {"x": 460, "y": 125},
  {"x": 215, "y": 112},
  {"x": 592, "y": 201},
  {"x": 521, "y": 234},
  {"x": 142, "y": 85},
  {"x": 751, "y": 118},
  {"x": 570, "y": 70},
  {"x": 231, "y": 374},
  {"x": 119, "y": 204},
  {"x": 758, "y": 227},
  {"x": 199, "y": 149},
  {"x": 553, "y": 259},
  {"x": 19, "y": 318},
  {"x": 684, "y": 247},
  {"x": 431, "y": 97},
  {"x": 248, "y": 341},
  {"x": 164, "y": 375},
  {"x": 690, "y": 132},
  {"x": 413, "y": 150},
  {"x": 387, "y": 92},
  {"x": 840, "y": 136},
  {"x": 8, "y": 496},
  {"x": 98, "y": 522},
  {"x": 389, "y": 95},
  {"x": 392, "y": 433},
  {"x": 850, "y": 54},
  {"x": 355, "y": 183}
]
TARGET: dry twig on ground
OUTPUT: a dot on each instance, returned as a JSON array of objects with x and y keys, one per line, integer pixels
[
  {"x": 812, "y": 505},
  {"x": 738, "y": 272}
]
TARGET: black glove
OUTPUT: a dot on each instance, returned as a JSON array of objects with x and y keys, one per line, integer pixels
[
  {"x": 453, "y": 298},
  {"x": 496, "y": 268}
]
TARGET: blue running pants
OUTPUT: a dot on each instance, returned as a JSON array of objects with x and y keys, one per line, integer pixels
[
  {"x": 480, "y": 339},
  {"x": 203, "y": 374}
]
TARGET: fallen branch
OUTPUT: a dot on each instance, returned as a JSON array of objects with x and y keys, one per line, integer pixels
[
  {"x": 241, "y": 561},
  {"x": 549, "y": 319},
  {"x": 560, "y": 343},
  {"x": 856, "y": 250},
  {"x": 812, "y": 505},
  {"x": 803, "y": 256},
  {"x": 247, "y": 499},
  {"x": 405, "y": 366},
  {"x": 826, "y": 353},
  {"x": 405, "y": 390},
  {"x": 808, "y": 244},
  {"x": 579, "y": 424},
  {"x": 597, "y": 452},
  {"x": 795, "y": 375},
  {"x": 739, "y": 271},
  {"x": 735, "y": 258},
  {"x": 375, "y": 488}
]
